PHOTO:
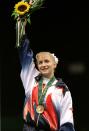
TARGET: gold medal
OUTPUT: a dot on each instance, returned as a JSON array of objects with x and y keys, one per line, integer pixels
[{"x": 40, "y": 109}]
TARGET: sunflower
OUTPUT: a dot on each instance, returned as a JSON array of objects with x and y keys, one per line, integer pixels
[
  {"x": 22, "y": 7},
  {"x": 22, "y": 12}
]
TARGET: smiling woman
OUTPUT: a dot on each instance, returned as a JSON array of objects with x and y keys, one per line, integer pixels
[{"x": 48, "y": 109}]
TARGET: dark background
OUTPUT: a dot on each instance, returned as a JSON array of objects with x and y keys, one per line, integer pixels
[{"x": 61, "y": 27}]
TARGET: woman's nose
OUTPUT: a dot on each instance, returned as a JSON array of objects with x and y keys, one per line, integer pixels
[{"x": 43, "y": 63}]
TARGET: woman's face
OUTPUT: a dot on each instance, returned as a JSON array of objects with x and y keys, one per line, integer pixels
[{"x": 46, "y": 64}]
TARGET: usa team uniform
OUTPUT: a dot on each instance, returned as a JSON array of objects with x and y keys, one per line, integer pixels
[{"x": 55, "y": 111}]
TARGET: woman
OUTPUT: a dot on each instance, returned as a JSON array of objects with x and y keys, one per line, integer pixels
[{"x": 48, "y": 103}]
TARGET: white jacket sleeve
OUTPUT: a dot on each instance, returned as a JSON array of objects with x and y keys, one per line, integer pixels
[
  {"x": 28, "y": 70},
  {"x": 66, "y": 113}
]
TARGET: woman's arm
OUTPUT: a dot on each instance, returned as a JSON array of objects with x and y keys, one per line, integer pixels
[
  {"x": 28, "y": 70},
  {"x": 66, "y": 113},
  {"x": 25, "y": 52}
]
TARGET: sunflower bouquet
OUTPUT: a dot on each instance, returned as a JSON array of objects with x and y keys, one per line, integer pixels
[{"x": 22, "y": 11}]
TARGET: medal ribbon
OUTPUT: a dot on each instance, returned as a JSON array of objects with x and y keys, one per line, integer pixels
[{"x": 40, "y": 94}]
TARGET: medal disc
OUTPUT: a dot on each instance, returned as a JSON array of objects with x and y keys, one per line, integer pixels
[{"x": 40, "y": 109}]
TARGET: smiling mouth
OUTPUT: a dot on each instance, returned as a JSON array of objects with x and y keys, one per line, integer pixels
[{"x": 44, "y": 69}]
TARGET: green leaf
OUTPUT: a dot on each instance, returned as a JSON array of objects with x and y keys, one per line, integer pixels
[
  {"x": 13, "y": 13},
  {"x": 29, "y": 21},
  {"x": 15, "y": 17}
]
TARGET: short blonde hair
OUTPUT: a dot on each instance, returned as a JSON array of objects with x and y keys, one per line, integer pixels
[{"x": 49, "y": 53}]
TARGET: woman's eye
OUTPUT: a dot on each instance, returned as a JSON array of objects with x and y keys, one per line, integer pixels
[
  {"x": 40, "y": 62},
  {"x": 46, "y": 61}
]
